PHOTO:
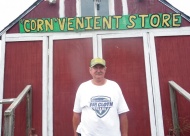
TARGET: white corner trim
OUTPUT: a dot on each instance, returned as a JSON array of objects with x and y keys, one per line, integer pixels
[
  {"x": 78, "y": 8},
  {"x": 95, "y": 46},
  {"x": 61, "y": 8},
  {"x": 100, "y": 54},
  {"x": 125, "y": 7},
  {"x": 156, "y": 87},
  {"x": 45, "y": 86},
  {"x": 111, "y": 7},
  {"x": 2, "y": 66},
  {"x": 50, "y": 93},
  {"x": 146, "y": 45}
]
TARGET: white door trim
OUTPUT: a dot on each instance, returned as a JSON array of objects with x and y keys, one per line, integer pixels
[
  {"x": 16, "y": 38},
  {"x": 146, "y": 45},
  {"x": 50, "y": 96}
]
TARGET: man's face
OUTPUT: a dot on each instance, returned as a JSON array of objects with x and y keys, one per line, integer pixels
[{"x": 98, "y": 71}]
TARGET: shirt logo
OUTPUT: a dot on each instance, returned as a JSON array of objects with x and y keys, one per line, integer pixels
[{"x": 101, "y": 105}]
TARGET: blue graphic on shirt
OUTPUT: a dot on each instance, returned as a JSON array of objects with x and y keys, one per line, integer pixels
[{"x": 101, "y": 105}]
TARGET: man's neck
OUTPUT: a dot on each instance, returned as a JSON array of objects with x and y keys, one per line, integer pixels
[{"x": 99, "y": 82}]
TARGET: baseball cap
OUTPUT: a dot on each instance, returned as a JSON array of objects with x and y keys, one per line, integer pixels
[{"x": 96, "y": 61}]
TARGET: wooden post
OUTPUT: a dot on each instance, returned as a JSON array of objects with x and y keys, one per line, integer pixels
[
  {"x": 9, "y": 115},
  {"x": 174, "y": 111},
  {"x": 29, "y": 112},
  {"x": 9, "y": 123}
]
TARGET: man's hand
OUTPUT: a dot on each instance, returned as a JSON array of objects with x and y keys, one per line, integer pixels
[
  {"x": 123, "y": 124},
  {"x": 76, "y": 121}
]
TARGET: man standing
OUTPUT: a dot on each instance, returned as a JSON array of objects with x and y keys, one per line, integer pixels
[{"x": 99, "y": 108}]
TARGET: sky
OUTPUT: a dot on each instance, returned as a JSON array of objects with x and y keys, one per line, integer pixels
[
  {"x": 182, "y": 5},
  {"x": 11, "y": 9}
]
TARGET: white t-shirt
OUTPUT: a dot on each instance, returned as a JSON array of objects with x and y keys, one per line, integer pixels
[{"x": 100, "y": 106}]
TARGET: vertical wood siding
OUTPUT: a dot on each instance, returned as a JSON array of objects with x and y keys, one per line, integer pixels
[
  {"x": 125, "y": 62},
  {"x": 23, "y": 66},
  {"x": 70, "y": 68},
  {"x": 173, "y": 55},
  {"x": 118, "y": 7},
  {"x": 70, "y": 8}
]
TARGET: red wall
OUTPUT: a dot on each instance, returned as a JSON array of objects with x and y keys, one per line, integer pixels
[
  {"x": 23, "y": 66},
  {"x": 70, "y": 64},
  {"x": 173, "y": 64},
  {"x": 126, "y": 66}
]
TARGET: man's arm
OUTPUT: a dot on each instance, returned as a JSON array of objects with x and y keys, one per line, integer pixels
[
  {"x": 123, "y": 124},
  {"x": 76, "y": 121}
]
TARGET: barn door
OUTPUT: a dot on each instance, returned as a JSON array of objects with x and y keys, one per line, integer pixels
[
  {"x": 126, "y": 58},
  {"x": 128, "y": 62},
  {"x": 69, "y": 63},
  {"x": 25, "y": 63},
  {"x": 172, "y": 53}
]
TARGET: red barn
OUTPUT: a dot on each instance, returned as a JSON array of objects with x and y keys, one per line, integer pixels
[{"x": 146, "y": 43}]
